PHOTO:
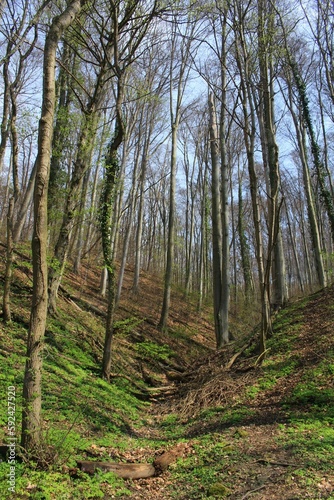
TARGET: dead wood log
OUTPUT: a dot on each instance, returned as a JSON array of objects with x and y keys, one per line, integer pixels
[
  {"x": 125, "y": 471},
  {"x": 159, "y": 392},
  {"x": 169, "y": 364},
  {"x": 136, "y": 471},
  {"x": 164, "y": 388}
]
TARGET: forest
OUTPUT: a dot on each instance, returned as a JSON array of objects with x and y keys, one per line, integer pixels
[{"x": 167, "y": 243}]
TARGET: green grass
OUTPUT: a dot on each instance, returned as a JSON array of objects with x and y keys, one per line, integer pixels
[
  {"x": 78, "y": 409},
  {"x": 311, "y": 439},
  {"x": 197, "y": 473},
  {"x": 154, "y": 351}
]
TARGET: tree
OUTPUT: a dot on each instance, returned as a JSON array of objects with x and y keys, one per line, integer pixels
[
  {"x": 127, "y": 36},
  {"x": 179, "y": 73},
  {"x": 217, "y": 237},
  {"x": 31, "y": 414},
  {"x": 245, "y": 62},
  {"x": 270, "y": 153},
  {"x": 311, "y": 208},
  {"x": 14, "y": 76}
]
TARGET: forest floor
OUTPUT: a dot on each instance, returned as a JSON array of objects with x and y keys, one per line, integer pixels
[{"x": 245, "y": 430}]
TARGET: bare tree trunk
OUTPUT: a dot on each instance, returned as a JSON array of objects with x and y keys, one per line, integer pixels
[
  {"x": 93, "y": 205},
  {"x": 82, "y": 163},
  {"x": 9, "y": 263},
  {"x": 139, "y": 231},
  {"x": 24, "y": 206},
  {"x": 275, "y": 258},
  {"x": 4, "y": 129},
  {"x": 225, "y": 277},
  {"x": 244, "y": 248},
  {"x": 175, "y": 116},
  {"x": 60, "y": 141},
  {"x": 78, "y": 242},
  {"x": 311, "y": 209},
  {"x": 171, "y": 233},
  {"x": 132, "y": 203},
  {"x": 320, "y": 169},
  {"x": 315, "y": 237},
  {"x": 11, "y": 207},
  {"x": 203, "y": 237},
  {"x": 249, "y": 131},
  {"x": 32, "y": 398},
  {"x": 217, "y": 237},
  {"x": 295, "y": 254},
  {"x": 308, "y": 271}
]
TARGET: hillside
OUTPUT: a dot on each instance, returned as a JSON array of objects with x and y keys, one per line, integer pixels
[{"x": 247, "y": 431}]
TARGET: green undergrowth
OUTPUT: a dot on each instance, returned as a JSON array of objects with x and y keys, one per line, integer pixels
[
  {"x": 282, "y": 412},
  {"x": 80, "y": 410},
  {"x": 84, "y": 417}
]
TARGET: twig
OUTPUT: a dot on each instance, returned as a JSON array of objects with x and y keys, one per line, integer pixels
[
  {"x": 252, "y": 491},
  {"x": 281, "y": 464}
]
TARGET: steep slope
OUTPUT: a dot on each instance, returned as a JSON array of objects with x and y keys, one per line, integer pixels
[{"x": 248, "y": 430}]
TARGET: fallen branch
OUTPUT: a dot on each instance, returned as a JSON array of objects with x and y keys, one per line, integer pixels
[
  {"x": 229, "y": 365},
  {"x": 164, "y": 388},
  {"x": 73, "y": 300},
  {"x": 72, "y": 303},
  {"x": 159, "y": 392},
  {"x": 177, "y": 376}
]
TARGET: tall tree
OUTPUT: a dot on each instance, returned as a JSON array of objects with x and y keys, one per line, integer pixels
[
  {"x": 270, "y": 152},
  {"x": 127, "y": 35},
  {"x": 217, "y": 237},
  {"x": 245, "y": 62},
  {"x": 32, "y": 398},
  {"x": 179, "y": 73}
]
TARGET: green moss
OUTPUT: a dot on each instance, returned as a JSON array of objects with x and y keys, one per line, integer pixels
[{"x": 219, "y": 490}]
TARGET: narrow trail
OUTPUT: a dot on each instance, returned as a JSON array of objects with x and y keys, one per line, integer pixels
[{"x": 268, "y": 465}]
